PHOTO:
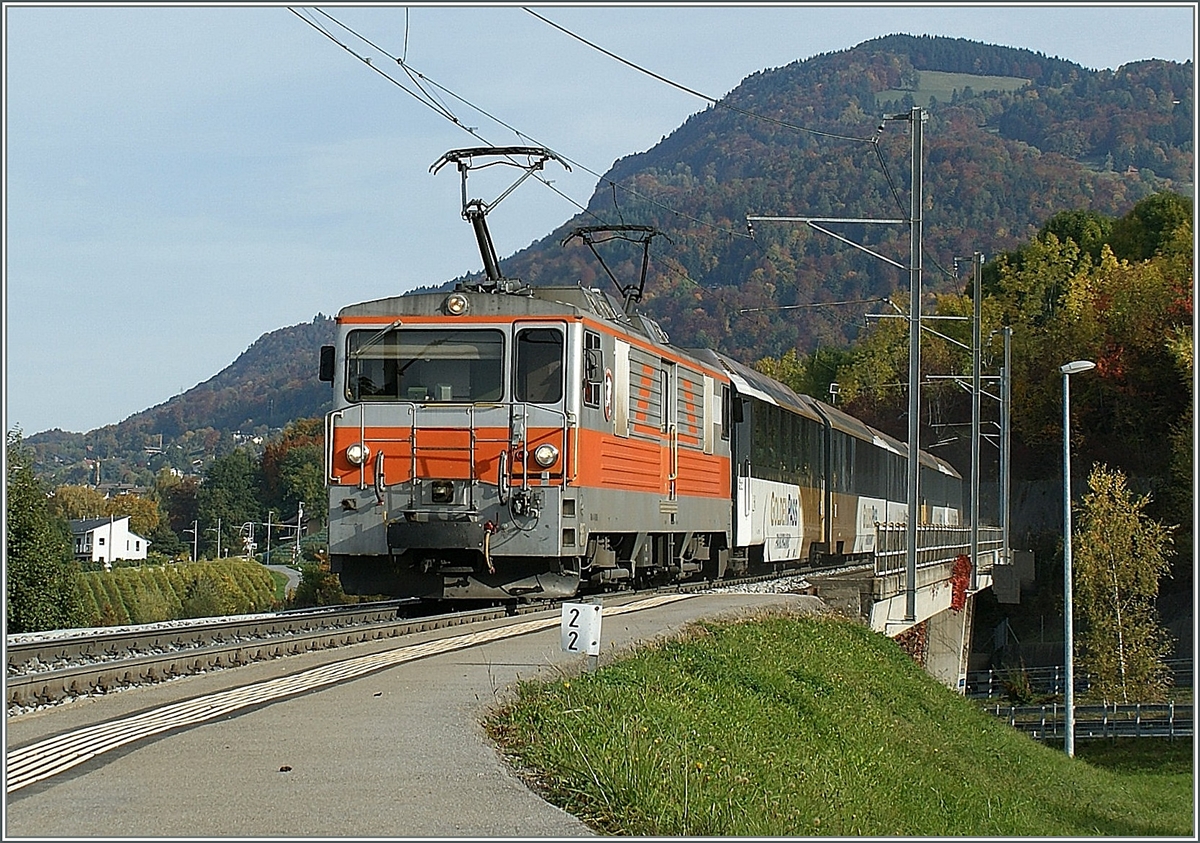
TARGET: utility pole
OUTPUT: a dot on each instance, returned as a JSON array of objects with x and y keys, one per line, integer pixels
[
  {"x": 916, "y": 124},
  {"x": 977, "y": 353},
  {"x": 299, "y": 526},
  {"x": 218, "y": 532},
  {"x": 916, "y": 119},
  {"x": 269, "y": 513},
  {"x": 195, "y": 531},
  {"x": 1006, "y": 441}
]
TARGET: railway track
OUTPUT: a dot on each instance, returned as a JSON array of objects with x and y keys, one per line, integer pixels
[{"x": 44, "y": 671}]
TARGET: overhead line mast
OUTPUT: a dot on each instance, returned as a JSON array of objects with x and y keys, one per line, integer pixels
[{"x": 916, "y": 118}]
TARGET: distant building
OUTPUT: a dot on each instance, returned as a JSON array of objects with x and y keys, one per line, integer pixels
[{"x": 107, "y": 539}]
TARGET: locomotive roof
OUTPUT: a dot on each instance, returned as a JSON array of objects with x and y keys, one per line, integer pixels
[
  {"x": 546, "y": 302},
  {"x": 541, "y": 302}
]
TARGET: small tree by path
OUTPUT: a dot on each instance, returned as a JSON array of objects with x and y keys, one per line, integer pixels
[{"x": 1119, "y": 556}]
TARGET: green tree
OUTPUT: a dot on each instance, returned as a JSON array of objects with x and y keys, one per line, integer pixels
[
  {"x": 229, "y": 497},
  {"x": 143, "y": 512},
  {"x": 293, "y": 469},
  {"x": 319, "y": 586},
  {"x": 1151, "y": 224},
  {"x": 1090, "y": 230},
  {"x": 1119, "y": 557},
  {"x": 1179, "y": 498},
  {"x": 180, "y": 503},
  {"x": 809, "y": 374},
  {"x": 41, "y": 576},
  {"x": 166, "y": 543}
]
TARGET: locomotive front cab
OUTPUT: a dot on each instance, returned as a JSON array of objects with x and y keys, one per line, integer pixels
[{"x": 449, "y": 450}]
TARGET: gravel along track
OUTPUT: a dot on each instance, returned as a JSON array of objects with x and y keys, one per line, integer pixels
[{"x": 55, "y": 668}]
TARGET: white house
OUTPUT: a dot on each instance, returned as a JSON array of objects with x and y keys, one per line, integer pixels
[{"x": 107, "y": 539}]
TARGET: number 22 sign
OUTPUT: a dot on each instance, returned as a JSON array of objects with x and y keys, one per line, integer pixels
[{"x": 581, "y": 628}]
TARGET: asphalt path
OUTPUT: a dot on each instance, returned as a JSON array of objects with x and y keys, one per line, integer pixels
[
  {"x": 398, "y": 752},
  {"x": 293, "y": 576}
]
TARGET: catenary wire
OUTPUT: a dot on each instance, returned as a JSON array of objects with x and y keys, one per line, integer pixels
[
  {"x": 439, "y": 106},
  {"x": 444, "y": 111},
  {"x": 706, "y": 97}
]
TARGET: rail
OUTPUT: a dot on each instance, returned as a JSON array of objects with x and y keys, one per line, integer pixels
[
  {"x": 937, "y": 544},
  {"x": 1139, "y": 720}
]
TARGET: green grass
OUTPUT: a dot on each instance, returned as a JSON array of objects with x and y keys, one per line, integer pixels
[
  {"x": 280, "y": 581},
  {"x": 940, "y": 84},
  {"x": 791, "y": 726}
]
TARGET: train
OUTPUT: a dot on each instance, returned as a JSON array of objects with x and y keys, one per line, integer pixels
[{"x": 507, "y": 442}]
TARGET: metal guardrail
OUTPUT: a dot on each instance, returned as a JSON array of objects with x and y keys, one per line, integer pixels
[
  {"x": 1140, "y": 720},
  {"x": 937, "y": 544},
  {"x": 989, "y": 684}
]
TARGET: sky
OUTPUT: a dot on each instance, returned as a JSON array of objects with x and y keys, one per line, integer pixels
[{"x": 181, "y": 179}]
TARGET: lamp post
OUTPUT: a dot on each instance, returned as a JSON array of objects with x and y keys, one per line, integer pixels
[
  {"x": 195, "y": 531},
  {"x": 1067, "y": 370}
]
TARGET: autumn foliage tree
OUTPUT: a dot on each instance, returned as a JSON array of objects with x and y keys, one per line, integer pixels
[
  {"x": 293, "y": 469},
  {"x": 1119, "y": 557}
]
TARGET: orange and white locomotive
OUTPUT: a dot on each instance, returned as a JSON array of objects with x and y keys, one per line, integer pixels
[{"x": 503, "y": 442}]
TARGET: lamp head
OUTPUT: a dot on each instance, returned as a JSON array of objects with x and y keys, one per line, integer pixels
[{"x": 1076, "y": 367}]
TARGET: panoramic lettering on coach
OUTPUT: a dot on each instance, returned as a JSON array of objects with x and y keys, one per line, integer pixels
[{"x": 507, "y": 442}]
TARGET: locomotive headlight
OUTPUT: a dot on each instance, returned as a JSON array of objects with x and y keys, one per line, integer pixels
[
  {"x": 456, "y": 304},
  {"x": 545, "y": 455},
  {"x": 441, "y": 491},
  {"x": 358, "y": 453}
]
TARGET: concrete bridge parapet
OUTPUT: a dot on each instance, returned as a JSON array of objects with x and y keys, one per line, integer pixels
[{"x": 938, "y": 636}]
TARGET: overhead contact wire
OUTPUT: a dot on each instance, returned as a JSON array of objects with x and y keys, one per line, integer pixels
[
  {"x": 695, "y": 93},
  {"x": 446, "y": 112}
]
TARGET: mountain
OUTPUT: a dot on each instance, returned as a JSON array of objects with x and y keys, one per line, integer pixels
[
  {"x": 271, "y": 383},
  {"x": 1011, "y": 137}
]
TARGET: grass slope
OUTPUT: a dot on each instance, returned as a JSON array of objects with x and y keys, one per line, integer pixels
[
  {"x": 941, "y": 85},
  {"x": 786, "y": 726}
]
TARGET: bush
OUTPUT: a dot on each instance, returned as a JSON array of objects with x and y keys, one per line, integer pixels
[
  {"x": 319, "y": 586},
  {"x": 204, "y": 597},
  {"x": 149, "y": 605}
]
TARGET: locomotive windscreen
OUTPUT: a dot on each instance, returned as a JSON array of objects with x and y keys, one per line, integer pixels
[{"x": 417, "y": 364}]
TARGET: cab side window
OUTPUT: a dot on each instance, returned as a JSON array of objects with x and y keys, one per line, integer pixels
[
  {"x": 539, "y": 366},
  {"x": 593, "y": 369}
]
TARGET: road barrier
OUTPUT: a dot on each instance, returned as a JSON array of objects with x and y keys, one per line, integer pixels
[
  {"x": 1139, "y": 720},
  {"x": 1050, "y": 681}
]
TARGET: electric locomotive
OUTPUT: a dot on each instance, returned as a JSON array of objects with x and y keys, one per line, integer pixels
[{"x": 508, "y": 442}]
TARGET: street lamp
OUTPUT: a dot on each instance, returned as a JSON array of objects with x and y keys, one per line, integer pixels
[
  {"x": 194, "y": 530},
  {"x": 1067, "y": 370}
]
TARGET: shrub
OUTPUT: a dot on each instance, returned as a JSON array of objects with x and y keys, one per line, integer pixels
[{"x": 319, "y": 586}]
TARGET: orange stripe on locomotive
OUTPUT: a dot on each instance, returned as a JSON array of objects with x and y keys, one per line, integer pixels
[{"x": 604, "y": 461}]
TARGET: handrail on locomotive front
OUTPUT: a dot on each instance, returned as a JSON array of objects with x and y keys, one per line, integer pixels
[{"x": 569, "y": 452}]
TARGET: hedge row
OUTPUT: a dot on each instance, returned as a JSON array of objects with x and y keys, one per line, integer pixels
[{"x": 151, "y": 593}]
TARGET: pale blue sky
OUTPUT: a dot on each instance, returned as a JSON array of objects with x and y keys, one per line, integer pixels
[{"x": 180, "y": 180}]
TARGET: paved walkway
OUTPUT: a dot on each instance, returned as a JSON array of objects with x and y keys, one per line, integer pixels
[
  {"x": 396, "y": 753},
  {"x": 293, "y": 576}
]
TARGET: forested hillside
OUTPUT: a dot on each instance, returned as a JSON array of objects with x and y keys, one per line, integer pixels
[
  {"x": 271, "y": 383},
  {"x": 1019, "y": 138},
  {"x": 997, "y": 165}
]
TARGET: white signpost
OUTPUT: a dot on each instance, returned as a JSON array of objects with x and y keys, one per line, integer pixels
[{"x": 581, "y": 630}]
